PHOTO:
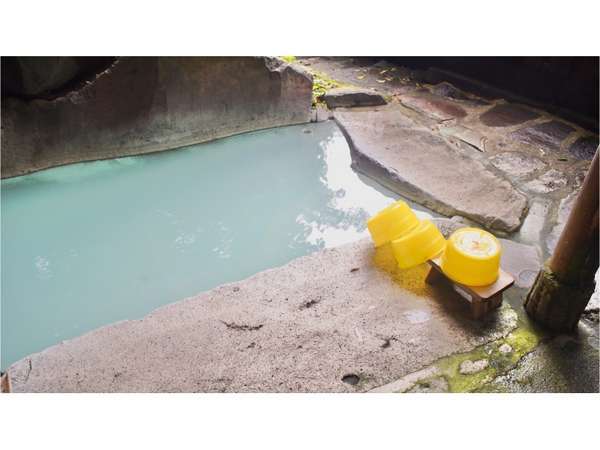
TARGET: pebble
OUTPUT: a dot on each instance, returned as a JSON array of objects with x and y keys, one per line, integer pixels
[
  {"x": 505, "y": 348},
  {"x": 469, "y": 367}
]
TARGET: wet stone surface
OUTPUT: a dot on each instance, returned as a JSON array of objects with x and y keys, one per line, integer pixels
[
  {"x": 584, "y": 148},
  {"x": 564, "y": 209},
  {"x": 414, "y": 161},
  {"x": 516, "y": 164},
  {"x": 549, "y": 182},
  {"x": 567, "y": 363},
  {"x": 531, "y": 230},
  {"x": 507, "y": 115},
  {"x": 549, "y": 135},
  {"x": 433, "y": 106}
]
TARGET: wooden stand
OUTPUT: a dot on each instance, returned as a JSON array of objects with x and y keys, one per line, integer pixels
[
  {"x": 482, "y": 299},
  {"x": 4, "y": 383}
]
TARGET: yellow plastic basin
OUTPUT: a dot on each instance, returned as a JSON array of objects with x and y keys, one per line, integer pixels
[
  {"x": 422, "y": 243},
  {"x": 472, "y": 257},
  {"x": 391, "y": 222}
]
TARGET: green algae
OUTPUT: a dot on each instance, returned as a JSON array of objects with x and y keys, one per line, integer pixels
[
  {"x": 321, "y": 84},
  {"x": 522, "y": 341}
]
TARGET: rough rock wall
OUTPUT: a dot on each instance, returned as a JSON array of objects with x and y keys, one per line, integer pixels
[{"x": 143, "y": 105}]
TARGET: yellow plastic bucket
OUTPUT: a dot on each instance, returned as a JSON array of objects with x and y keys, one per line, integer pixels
[
  {"x": 472, "y": 257},
  {"x": 391, "y": 222},
  {"x": 422, "y": 243}
]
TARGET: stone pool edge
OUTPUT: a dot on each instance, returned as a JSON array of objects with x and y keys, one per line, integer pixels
[{"x": 300, "y": 327}]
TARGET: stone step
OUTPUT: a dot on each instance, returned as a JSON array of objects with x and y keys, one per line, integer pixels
[{"x": 420, "y": 165}]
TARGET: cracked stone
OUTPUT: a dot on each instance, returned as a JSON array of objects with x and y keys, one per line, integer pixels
[
  {"x": 348, "y": 97},
  {"x": 469, "y": 367},
  {"x": 517, "y": 164},
  {"x": 471, "y": 137},
  {"x": 584, "y": 148},
  {"x": 506, "y": 115},
  {"x": 549, "y": 182},
  {"x": 433, "y": 106},
  {"x": 549, "y": 135}
]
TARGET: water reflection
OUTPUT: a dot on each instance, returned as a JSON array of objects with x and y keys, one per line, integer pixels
[
  {"x": 89, "y": 244},
  {"x": 349, "y": 201}
]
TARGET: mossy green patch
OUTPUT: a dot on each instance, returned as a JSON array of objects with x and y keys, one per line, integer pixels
[
  {"x": 322, "y": 83},
  {"x": 522, "y": 341},
  {"x": 288, "y": 59}
]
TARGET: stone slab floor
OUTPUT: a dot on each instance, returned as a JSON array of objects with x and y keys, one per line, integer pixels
[{"x": 344, "y": 319}]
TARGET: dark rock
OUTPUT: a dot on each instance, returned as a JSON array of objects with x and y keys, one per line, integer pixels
[
  {"x": 348, "y": 97},
  {"x": 584, "y": 148},
  {"x": 436, "y": 107},
  {"x": 548, "y": 134},
  {"x": 148, "y": 104},
  {"x": 40, "y": 76},
  {"x": 506, "y": 115}
]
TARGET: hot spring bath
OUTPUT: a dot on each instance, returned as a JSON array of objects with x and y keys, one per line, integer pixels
[{"x": 88, "y": 244}]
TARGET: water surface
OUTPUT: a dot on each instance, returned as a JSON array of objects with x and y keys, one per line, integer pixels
[{"x": 88, "y": 244}]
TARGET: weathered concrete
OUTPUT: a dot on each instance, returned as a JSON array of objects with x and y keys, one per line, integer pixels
[
  {"x": 142, "y": 105},
  {"x": 301, "y": 327},
  {"x": 349, "y": 97},
  {"x": 423, "y": 167}
]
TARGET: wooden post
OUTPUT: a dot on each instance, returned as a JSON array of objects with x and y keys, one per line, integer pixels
[{"x": 564, "y": 285}]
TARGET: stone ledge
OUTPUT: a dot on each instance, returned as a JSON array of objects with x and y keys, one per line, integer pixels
[
  {"x": 371, "y": 324},
  {"x": 143, "y": 105},
  {"x": 420, "y": 165},
  {"x": 349, "y": 97}
]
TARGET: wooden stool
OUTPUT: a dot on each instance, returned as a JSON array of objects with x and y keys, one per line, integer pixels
[{"x": 482, "y": 299}]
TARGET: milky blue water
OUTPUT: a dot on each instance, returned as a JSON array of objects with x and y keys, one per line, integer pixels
[{"x": 88, "y": 244}]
